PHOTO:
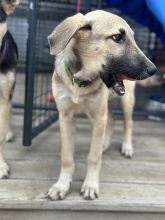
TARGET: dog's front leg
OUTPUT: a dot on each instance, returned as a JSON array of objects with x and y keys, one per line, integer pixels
[
  {"x": 4, "y": 118},
  {"x": 90, "y": 187},
  {"x": 67, "y": 130}
]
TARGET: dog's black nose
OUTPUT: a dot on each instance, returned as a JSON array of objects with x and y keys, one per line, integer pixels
[{"x": 151, "y": 70}]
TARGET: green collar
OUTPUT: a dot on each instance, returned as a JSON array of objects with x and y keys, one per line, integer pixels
[
  {"x": 74, "y": 80},
  {"x": 71, "y": 75}
]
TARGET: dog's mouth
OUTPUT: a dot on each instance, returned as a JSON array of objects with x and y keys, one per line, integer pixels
[
  {"x": 115, "y": 82},
  {"x": 114, "y": 78},
  {"x": 118, "y": 84}
]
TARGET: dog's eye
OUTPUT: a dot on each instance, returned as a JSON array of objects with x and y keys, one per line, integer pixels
[{"x": 117, "y": 38}]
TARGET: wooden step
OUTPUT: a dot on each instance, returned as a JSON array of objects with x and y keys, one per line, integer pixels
[{"x": 114, "y": 196}]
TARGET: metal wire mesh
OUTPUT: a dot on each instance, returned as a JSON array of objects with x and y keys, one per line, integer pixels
[{"x": 43, "y": 110}]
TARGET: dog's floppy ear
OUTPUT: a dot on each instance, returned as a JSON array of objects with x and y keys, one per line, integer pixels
[
  {"x": 9, "y": 5},
  {"x": 65, "y": 31}
]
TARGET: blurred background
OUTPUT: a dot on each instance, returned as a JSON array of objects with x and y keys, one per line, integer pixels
[{"x": 34, "y": 20}]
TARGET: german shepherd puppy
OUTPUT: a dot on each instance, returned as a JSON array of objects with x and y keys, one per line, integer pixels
[
  {"x": 8, "y": 68},
  {"x": 93, "y": 52}
]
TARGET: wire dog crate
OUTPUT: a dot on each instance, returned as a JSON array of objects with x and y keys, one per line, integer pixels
[{"x": 43, "y": 16}]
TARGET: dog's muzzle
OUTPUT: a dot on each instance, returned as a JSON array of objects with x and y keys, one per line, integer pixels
[{"x": 114, "y": 79}]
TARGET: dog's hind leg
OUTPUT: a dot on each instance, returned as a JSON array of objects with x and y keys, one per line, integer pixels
[
  {"x": 128, "y": 101},
  {"x": 67, "y": 130},
  {"x": 109, "y": 130},
  {"x": 4, "y": 118},
  {"x": 9, "y": 134}
]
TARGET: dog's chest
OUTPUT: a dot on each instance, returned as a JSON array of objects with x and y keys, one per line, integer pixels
[
  {"x": 63, "y": 93},
  {"x": 76, "y": 97}
]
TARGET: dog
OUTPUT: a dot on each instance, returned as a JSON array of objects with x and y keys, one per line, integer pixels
[
  {"x": 8, "y": 68},
  {"x": 94, "y": 53}
]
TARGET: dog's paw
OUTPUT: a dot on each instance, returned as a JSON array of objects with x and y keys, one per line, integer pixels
[
  {"x": 4, "y": 170},
  {"x": 90, "y": 190},
  {"x": 58, "y": 191},
  {"x": 9, "y": 136},
  {"x": 127, "y": 150}
]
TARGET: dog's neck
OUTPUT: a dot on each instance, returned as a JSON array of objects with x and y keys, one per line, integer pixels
[{"x": 70, "y": 74}]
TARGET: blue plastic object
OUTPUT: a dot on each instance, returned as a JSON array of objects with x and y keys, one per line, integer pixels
[{"x": 158, "y": 9}]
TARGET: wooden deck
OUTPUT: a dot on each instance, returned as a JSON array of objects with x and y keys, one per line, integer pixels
[{"x": 130, "y": 188}]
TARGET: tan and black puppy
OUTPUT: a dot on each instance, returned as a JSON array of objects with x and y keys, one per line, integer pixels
[
  {"x": 93, "y": 52},
  {"x": 8, "y": 67}
]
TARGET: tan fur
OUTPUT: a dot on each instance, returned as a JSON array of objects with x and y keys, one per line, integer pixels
[
  {"x": 7, "y": 81},
  {"x": 91, "y": 100},
  {"x": 3, "y": 30},
  {"x": 6, "y": 86}
]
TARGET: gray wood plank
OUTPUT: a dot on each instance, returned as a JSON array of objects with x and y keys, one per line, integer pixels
[
  {"x": 149, "y": 146},
  {"x": 77, "y": 215},
  {"x": 28, "y": 194},
  {"x": 123, "y": 172}
]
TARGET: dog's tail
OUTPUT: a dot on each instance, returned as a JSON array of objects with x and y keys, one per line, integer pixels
[{"x": 155, "y": 80}]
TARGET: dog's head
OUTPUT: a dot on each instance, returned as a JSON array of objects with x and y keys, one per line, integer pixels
[
  {"x": 7, "y": 7},
  {"x": 103, "y": 44}
]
